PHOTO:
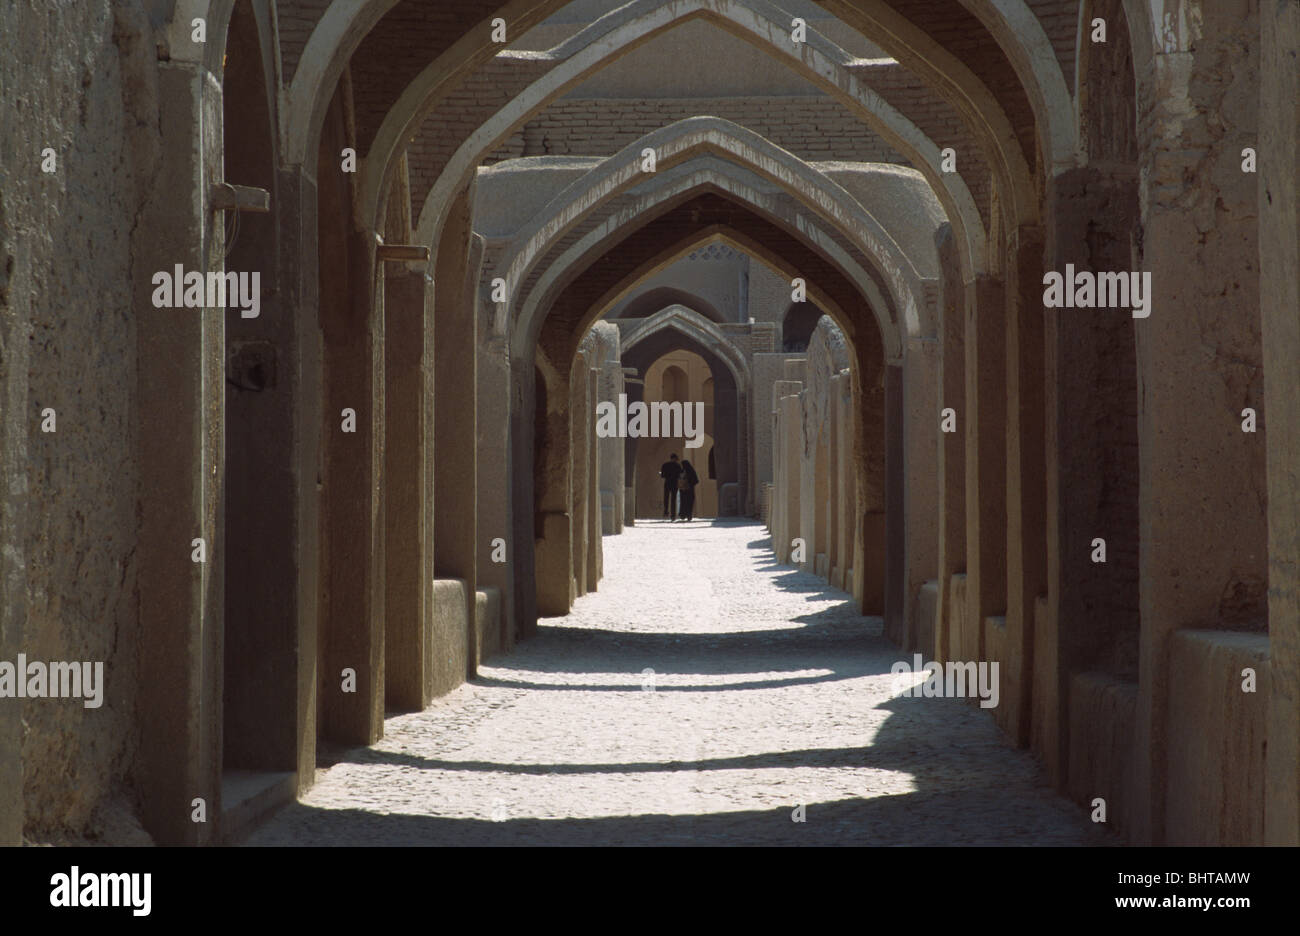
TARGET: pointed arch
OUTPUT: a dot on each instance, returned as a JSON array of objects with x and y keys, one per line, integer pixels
[
  {"x": 1020, "y": 34},
  {"x": 817, "y": 60},
  {"x": 680, "y": 142},
  {"x": 671, "y": 191},
  {"x": 335, "y": 39},
  {"x": 696, "y": 327}
]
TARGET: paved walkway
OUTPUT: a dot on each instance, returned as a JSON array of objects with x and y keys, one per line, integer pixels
[{"x": 768, "y": 692}]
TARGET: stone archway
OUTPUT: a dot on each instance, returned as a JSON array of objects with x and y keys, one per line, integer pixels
[
  {"x": 675, "y": 191},
  {"x": 1026, "y": 48},
  {"x": 337, "y": 34},
  {"x": 816, "y": 60},
  {"x": 694, "y": 142},
  {"x": 641, "y": 251},
  {"x": 675, "y": 329}
]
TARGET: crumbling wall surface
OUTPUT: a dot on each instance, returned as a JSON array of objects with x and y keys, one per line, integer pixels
[
  {"x": 1279, "y": 266},
  {"x": 75, "y": 78},
  {"x": 828, "y": 354},
  {"x": 1204, "y": 489},
  {"x": 1192, "y": 140}
]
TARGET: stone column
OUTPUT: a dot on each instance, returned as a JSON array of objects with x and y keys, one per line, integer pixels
[
  {"x": 354, "y": 610},
  {"x": 455, "y": 441},
  {"x": 775, "y": 499},
  {"x": 15, "y": 424},
  {"x": 612, "y": 478},
  {"x": 745, "y": 500},
  {"x": 1203, "y": 528},
  {"x": 845, "y": 428},
  {"x": 406, "y": 619},
  {"x": 869, "y": 445},
  {"x": 304, "y": 375},
  {"x": 1279, "y": 271},
  {"x": 920, "y": 413},
  {"x": 1026, "y": 489},
  {"x": 350, "y": 643},
  {"x": 635, "y": 389},
  {"x": 895, "y": 539},
  {"x": 261, "y": 479},
  {"x": 835, "y": 500},
  {"x": 553, "y": 548},
  {"x": 766, "y": 369},
  {"x": 179, "y": 388},
  {"x": 594, "y": 556},
  {"x": 806, "y": 431},
  {"x": 986, "y": 459},
  {"x": 787, "y": 443},
  {"x": 527, "y": 408},
  {"x": 791, "y": 441},
  {"x": 580, "y": 433},
  {"x": 952, "y": 445},
  {"x": 823, "y": 492},
  {"x": 728, "y": 438},
  {"x": 1091, "y": 399},
  {"x": 496, "y": 515},
  {"x": 1204, "y": 538},
  {"x": 13, "y": 586}
]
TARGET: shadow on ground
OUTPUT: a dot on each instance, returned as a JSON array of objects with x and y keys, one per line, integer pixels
[{"x": 970, "y": 786}]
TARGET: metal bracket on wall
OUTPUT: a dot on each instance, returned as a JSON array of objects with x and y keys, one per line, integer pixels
[
  {"x": 227, "y": 197},
  {"x": 400, "y": 253}
]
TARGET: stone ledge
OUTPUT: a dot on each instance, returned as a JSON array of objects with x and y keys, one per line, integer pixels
[
  {"x": 447, "y": 647},
  {"x": 1103, "y": 713},
  {"x": 488, "y": 618},
  {"x": 249, "y": 796},
  {"x": 1216, "y": 738}
]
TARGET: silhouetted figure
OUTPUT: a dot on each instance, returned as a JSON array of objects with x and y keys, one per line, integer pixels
[
  {"x": 688, "y": 490},
  {"x": 670, "y": 471}
]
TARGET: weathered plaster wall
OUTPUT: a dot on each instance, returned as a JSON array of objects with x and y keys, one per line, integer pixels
[
  {"x": 78, "y": 78},
  {"x": 1279, "y": 241},
  {"x": 767, "y": 369},
  {"x": 1218, "y": 739},
  {"x": 1199, "y": 363}
]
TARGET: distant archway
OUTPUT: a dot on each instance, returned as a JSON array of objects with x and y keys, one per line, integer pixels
[{"x": 597, "y": 276}]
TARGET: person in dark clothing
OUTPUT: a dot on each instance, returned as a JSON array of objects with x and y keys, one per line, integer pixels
[
  {"x": 670, "y": 471},
  {"x": 688, "y": 491}
]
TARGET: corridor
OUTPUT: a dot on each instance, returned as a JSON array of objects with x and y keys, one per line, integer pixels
[
  {"x": 977, "y": 321},
  {"x": 768, "y": 692}
]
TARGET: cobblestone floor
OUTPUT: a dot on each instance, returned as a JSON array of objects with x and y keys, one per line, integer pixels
[{"x": 769, "y": 692}]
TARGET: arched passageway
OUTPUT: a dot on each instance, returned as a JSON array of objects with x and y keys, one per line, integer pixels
[
  {"x": 379, "y": 477},
  {"x": 600, "y": 282},
  {"x": 720, "y": 388},
  {"x": 679, "y": 376}
]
